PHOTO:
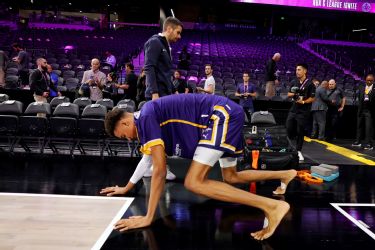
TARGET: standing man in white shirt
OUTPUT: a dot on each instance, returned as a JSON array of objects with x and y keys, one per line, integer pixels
[
  {"x": 209, "y": 85},
  {"x": 111, "y": 59}
]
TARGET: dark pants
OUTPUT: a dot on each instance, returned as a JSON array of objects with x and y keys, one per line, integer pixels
[
  {"x": 333, "y": 117},
  {"x": 248, "y": 112},
  {"x": 319, "y": 123},
  {"x": 295, "y": 125},
  {"x": 365, "y": 120}
]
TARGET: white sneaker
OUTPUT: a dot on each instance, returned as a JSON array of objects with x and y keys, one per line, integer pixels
[
  {"x": 170, "y": 175},
  {"x": 300, "y": 156}
]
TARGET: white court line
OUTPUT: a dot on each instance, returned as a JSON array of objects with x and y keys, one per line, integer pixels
[
  {"x": 99, "y": 243},
  {"x": 103, "y": 237},
  {"x": 65, "y": 196},
  {"x": 355, "y": 221}
]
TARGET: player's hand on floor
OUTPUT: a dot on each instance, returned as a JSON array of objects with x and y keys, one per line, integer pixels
[
  {"x": 132, "y": 222},
  {"x": 111, "y": 191}
]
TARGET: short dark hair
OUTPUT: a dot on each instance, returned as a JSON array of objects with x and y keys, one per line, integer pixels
[
  {"x": 111, "y": 120},
  {"x": 246, "y": 72},
  {"x": 130, "y": 65},
  {"x": 172, "y": 21},
  {"x": 370, "y": 75},
  {"x": 303, "y": 65},
  {"x": 209, "y": 65}
]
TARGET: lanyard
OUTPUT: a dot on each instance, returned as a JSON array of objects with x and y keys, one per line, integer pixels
[
  {"x": 302, "y": 87},
  {"x": 45, "y": 78}
]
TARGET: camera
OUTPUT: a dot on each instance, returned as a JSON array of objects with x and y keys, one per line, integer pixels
[{"x": 296, "y": 92}]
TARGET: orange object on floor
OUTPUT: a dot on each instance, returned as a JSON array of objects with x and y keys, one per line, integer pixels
[
  {"x": 305, "y": 175},
  {"x": 255, "y": 156}
]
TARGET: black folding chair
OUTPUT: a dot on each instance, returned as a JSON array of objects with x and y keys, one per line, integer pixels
[
  {"x": 9, "y": 112},
  {"x": 63, "y": 129}
]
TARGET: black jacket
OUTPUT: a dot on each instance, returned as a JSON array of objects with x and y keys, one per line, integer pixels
[
  {"x": 361, "y": 99},
  {"x": 40, "y": 82},
  {"x": 158, "y": 66}
]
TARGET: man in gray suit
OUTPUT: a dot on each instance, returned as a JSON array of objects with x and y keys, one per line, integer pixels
[{"x": 319, "y": 111}]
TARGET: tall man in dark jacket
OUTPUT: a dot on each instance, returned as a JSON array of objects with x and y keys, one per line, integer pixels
[
  {"x": 158, "y": 59},
  {"x": 366, "y": 113}
]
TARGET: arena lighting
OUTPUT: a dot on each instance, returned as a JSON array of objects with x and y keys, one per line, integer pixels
[
  {"x": 359, "y": 30},
  {"x": 172, "y": 12}
]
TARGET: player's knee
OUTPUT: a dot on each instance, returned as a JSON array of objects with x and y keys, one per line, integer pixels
[
  {"x": 192, "y": 184},
  {"x": 230, "y": 178}
]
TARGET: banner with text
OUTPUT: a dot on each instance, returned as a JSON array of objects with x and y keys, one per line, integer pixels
[{"x": 367, "y": 6}]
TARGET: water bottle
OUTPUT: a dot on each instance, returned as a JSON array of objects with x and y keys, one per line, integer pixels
[{"x": 267, "y": 138}]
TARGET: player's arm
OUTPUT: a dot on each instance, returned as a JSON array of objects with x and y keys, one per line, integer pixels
[
  {"x": 144, "y": 164},
  {"x": 157, "y": 187},
  {"x": 159, "y": 173}
]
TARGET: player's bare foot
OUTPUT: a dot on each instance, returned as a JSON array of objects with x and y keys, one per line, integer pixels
[
  {"x": 274, "y": 217},
  {"x": 285, "y": 181}
]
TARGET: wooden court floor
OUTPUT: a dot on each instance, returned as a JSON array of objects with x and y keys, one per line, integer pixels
[{"x": 42, "y": 222}]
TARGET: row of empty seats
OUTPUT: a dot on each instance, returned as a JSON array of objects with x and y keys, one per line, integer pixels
[{"x": 62, "y": 130}]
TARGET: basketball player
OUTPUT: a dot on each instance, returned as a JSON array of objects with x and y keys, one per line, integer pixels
[{"x": 207, "y": 129}]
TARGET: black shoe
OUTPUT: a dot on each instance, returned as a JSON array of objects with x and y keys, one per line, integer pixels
[
  {"x": 368, "y": 147},
  {"x": 356, "y": 144}
]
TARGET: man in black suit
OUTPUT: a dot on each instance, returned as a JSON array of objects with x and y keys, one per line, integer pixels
[
  {"x": 366, "y": 113},
  {"x": 40, "y": 82}
]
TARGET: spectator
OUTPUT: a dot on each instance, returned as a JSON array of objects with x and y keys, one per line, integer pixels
[
  {"x": 336, "y": 104},
  {"x": 111, "y": 59},
  {"x": 130, "y": 86},
  {"x": 180, "y": 84},
  {"x": 245, "y": 91},
  {"x": 319, "y": 111},
  {"x": 141, "y": 86},
  {"x": 54, "y": 80},
  {"x": 366, "y": 114},
  {"x": 209, "y": 84},
  {"x": 93, "y": 81},
  {"x": 184, "y": 59},
  {"x": 316, "y": 82},
  {"x": 271, "y": 79},
  {"x": 302, "y": 91},
  {"x": 158, "y": 59},
  {"x": 40, "y": 82},
  {"x": 3, "y": 63},
  {"x": 23, "y": 60},
  {"x": 110, "y": 90}
]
